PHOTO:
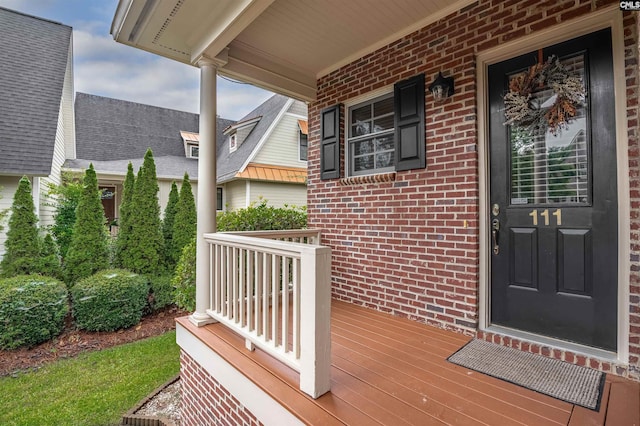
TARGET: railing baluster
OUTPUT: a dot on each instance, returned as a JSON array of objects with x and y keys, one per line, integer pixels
[
  {"x": 250, "y": 290},
  {"x": 285, "y": 304},
  {"x": 242, "y": 284},
  {"x": 275, "y": 284},
  {"x": 266, "y": 275},
  {"x": 296, "y": 308},
  {"x": 259, "y": 291}
]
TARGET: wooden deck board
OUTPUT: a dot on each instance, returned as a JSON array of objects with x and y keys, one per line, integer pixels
[{"x": 392, "y": 371}]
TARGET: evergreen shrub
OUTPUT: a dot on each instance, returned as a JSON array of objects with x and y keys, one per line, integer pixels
[
  {"x": 161, "y": 291},
  {"x": 262, "y": 217},
  {"x": 145, "y": 253},
  {"x": 32, "y": 310},
  {"x": 89, "y": 249},
  {"x": 23, "y": 244},
  {"x": 109, "y": 300},
  {"x": 184, "y": 279}
]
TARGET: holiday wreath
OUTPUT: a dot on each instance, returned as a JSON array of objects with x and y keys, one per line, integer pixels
[{"x": 523, "y": 110}]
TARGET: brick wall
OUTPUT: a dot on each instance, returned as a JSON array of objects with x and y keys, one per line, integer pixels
[
  {"x": 408, "y": 244},
  {"x": 205, "y": 401}
]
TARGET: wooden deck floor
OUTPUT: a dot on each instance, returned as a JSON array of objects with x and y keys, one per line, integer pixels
[{"x": 391, "y": 371}]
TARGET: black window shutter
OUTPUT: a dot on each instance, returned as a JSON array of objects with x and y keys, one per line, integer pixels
[
  {"x": 330, "y": 143},
  {"x": 409, "y": 123}
]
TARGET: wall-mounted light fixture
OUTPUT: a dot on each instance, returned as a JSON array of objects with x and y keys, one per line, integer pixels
[{"x": 442, "y": 87}]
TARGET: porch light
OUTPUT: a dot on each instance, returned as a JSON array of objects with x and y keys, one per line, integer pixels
[{"x": 442, "y": 87}]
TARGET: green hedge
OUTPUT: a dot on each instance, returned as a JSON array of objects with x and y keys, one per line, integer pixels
[
  {"x": 262, "y": 217},
  {"x": 32, "y": 310},
  {"x": 161, "y": 291},
  {"x": 109, "y": 300}
]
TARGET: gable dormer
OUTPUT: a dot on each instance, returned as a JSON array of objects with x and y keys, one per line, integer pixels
[
  {"x": 191, "y": 144},
  {"x": 238, "y": 132}
]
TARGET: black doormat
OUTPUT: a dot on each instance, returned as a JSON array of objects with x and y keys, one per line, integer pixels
[{"x": 567, "y": 382}]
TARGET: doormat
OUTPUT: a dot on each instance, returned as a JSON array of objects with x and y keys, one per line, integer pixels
[{"x": 567, "y": 382}]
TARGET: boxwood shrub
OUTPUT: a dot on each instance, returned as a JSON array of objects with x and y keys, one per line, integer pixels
[
  {"x": 109, "y": 300},
  {"x": 32, "y": 310}
]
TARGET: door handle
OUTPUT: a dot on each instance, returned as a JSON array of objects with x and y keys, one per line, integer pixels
[{"x": 495, "y": 227}]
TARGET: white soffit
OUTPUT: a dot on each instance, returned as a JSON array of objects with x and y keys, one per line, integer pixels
[{"x": 282, "y": 45}]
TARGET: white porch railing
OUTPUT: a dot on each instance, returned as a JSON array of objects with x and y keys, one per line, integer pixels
[{"x": 273, "y": 288}]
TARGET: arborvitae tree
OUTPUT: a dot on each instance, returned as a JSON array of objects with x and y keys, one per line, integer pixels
[
  {"x": 167, "y": 225},
  {"x": 88, "y": 252},
  {"x": 66, "y": 196},
  {"x": 49, "y": 258},
  {"x": 23, "y": 243},
  {"x": 124, "y": 221},
  {"x": 184, "y": 227},
  {"x": 145, "y": 251}
]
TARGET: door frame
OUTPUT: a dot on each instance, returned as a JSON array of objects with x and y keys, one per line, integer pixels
[{"x": 610, "y": 17}]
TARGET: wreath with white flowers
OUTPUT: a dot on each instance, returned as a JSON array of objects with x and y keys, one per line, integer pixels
[{"x": 525, "y": 111}]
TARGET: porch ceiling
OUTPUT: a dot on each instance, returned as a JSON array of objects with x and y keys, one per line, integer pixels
[{"x": 281, "y": 45}]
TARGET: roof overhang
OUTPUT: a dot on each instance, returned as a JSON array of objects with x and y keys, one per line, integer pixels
[{"x": 280, "y": 45}]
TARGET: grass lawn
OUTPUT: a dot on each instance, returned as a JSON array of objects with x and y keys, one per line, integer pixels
[{"x": 94, "y": 389}]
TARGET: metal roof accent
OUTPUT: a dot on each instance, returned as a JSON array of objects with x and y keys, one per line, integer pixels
[{"x": 271, "y": 173}]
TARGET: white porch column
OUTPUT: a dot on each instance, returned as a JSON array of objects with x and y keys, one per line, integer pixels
[{"x": 206, "y": 187}]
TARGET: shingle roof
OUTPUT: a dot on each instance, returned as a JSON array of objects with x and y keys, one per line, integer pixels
[
  {"x": 35, "y": 53},
  {"x": 112, "y": 129}
]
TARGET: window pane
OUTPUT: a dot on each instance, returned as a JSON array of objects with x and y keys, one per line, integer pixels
[
  {"x": 384, "y": 144},
  {"x": 361, "y": 121},
  {"x": 548, "y": 168},
  {"x": 383, "y": 107},
  {"x": 363, "y": 163},
  {"x": 363, "y": 147},
  {"x": 384, "y": 123},
  {"x": 384, "y": 160}
]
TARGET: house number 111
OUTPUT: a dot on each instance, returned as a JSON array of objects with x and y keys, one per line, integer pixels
[{"x": 545, "y": 215}]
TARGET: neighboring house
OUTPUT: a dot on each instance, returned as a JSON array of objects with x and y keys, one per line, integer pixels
[
  {"x": 36, "y": 107},
  {"x": 418, "y": 201},
  {"x": 110, "y": 133},
  {"x": 263, "y": 156}
]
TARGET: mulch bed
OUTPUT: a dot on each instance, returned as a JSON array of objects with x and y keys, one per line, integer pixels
[{"x": 73, "y": 342}]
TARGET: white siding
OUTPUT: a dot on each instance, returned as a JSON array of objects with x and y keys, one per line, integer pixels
[
  {"x": 64, "y": 145},
  {"x": 281, "y": 149},
  {"x": 234, "y": 194},
  {"x": 8, "y": 186},
  {"x": 47, "y": 204},
  {"x": 165, "y": 189},
  {"x": 279, "y": 194},
  {"x": 68, "y": 109}
]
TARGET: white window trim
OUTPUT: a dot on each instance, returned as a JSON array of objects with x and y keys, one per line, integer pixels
[
  {"x": 347, "y": 106},
  {"x": 233, "y": 142},
  {"x": 190, "y": 147}
]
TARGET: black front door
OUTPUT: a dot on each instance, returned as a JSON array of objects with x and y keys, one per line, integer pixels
[{"x": 553, "y": 201}]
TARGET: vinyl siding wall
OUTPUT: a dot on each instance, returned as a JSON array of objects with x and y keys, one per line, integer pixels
[
  {"x": 279, "y": 194},
  {"x": 64, "y": 146},
  {"x": 282, "y": 149},
  {"x": 8, "y": 186},
  {"x": 234, "y": 195}
]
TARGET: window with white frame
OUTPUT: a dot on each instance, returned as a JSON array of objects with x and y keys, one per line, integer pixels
[
  {"x": 194, "y": 151},
  {"x": 233, "y": 143},
  {"x": 370, "y": 137}
]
